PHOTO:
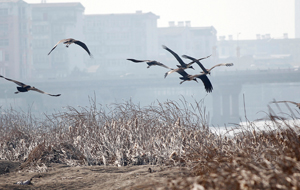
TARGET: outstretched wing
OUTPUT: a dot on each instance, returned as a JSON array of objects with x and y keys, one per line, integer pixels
[
  {"x": 63, "y": 40},
  {"x": 169, "y": 72},
  {"x": 137, "y": 61},
  {"x": 83, "y": 46},
  {"x": 207, "y": 84},
  {"x": 37, "y": 90},
  {"x": 178, "y": 70},
  {"x": 222, "y": 64},
  {"x": 175, "y": 55},
  {"x": 17, "y": 82},
  {"x": 182, "y": 72},
  {"x": 158, "y": 64},
  {"x": 204, "y": 57},
  {"x": 284, "y": 101},
  {"x": 198, "y": 62},
  {"x": 150, "y": 63}
]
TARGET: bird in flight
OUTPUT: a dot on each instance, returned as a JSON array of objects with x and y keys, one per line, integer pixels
[
  {"x": 207, "y": 84},
  {"x": 149, "y": 62},
  {"x": 297, "y": 104},
  {"x": 178, "y": 69},
  {"x": 182, "y": 64},
  {"x": 207, "y": 71},
  {"x": 69, "y": 41},
  {"x": 25, "y": 88},
  {"x": 187, "y": 77}
]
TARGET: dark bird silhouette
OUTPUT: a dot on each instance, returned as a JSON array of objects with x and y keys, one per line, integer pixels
[
  {"x": 26, "y": 88},
  {"x": 182, "y": 64},
  {"x": 173, "y": 71},
  {"x": 69, "y": 41},
  {"x": 207, "y": 84},
  {"x": 297, "y": 104},
  {"x": 187, "y": 77},
  {"x": 207, "y": 71},
  {"x": 150, "y": 63}
]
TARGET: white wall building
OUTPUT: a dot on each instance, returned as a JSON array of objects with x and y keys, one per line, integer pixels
[{"x": 114, "y": 37}]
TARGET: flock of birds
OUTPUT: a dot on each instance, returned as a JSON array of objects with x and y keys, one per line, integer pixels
[
  {"x": 183, "y": 66},
  {"x": 187, "y": 77},
  {"x": 180, "y": 70},
  {"x": 25, "y": 88}
]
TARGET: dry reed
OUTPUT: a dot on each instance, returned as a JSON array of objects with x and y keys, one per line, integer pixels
[{"x": 168, "y": 133}]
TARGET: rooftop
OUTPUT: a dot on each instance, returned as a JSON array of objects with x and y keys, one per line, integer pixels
[
  {"x": 11, "y": 1},
  {"x": 56, "y": 4},
  {"x": 124, "y": 14}
]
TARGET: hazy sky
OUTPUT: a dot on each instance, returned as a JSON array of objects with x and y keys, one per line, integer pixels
[{"x": 247, "y": 17}]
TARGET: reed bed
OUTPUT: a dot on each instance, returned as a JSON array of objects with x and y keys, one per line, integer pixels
[
  {"x": 255, "y": 157},
  {"x": 168, "y": 133},
  {"x": 119, "y": 134}
]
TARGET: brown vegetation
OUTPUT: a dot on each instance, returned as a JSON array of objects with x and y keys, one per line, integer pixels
[{"x": 169, "y": 134}]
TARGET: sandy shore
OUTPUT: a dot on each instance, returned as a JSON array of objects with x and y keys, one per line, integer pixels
[{"x": 60, "y": 176}]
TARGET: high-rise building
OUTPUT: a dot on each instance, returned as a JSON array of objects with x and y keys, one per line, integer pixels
[
  {"x": 297, "y": 18},
  {"x": 15, "y": 39},
  {"x": 52, "y": 22}
]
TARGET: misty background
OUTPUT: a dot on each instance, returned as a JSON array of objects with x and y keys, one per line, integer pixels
[{"x": 266, "y": 63}]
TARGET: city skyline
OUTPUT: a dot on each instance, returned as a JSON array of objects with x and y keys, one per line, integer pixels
[{"x": 242, "y": 20}]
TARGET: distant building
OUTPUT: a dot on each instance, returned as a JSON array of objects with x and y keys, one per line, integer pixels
[
  {"x": 263, "y": 53},
  {"x": 297, "y": 18},
  {"x": 15, "y": 39},
  {"x": 184, "y": 39},
  {"x": 52, "y": 22},
  {"x": 114, "y": 37}
]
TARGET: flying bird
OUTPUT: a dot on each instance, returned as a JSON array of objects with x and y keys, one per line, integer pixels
[
  {"x": 150, "y": 63},
  {"x": 182, "y": 64},
  {"x": 25, "y": 88},
  {"x": 178, "y": 69},
  {"x": 297, "y": 104},
  {"x": 69, "y": 41},
  {"x": 187, "y": 77},
  {"x": 207, "y": 71},
  {"x": 207, "y": 84}
]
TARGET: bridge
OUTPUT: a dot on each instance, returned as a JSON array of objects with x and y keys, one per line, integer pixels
[{"x": 224, "y": 103}]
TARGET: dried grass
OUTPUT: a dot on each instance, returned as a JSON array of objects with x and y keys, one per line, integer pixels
[
  {"x": 169, "y": 133},
  {"x": 119, "y": 134}
]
